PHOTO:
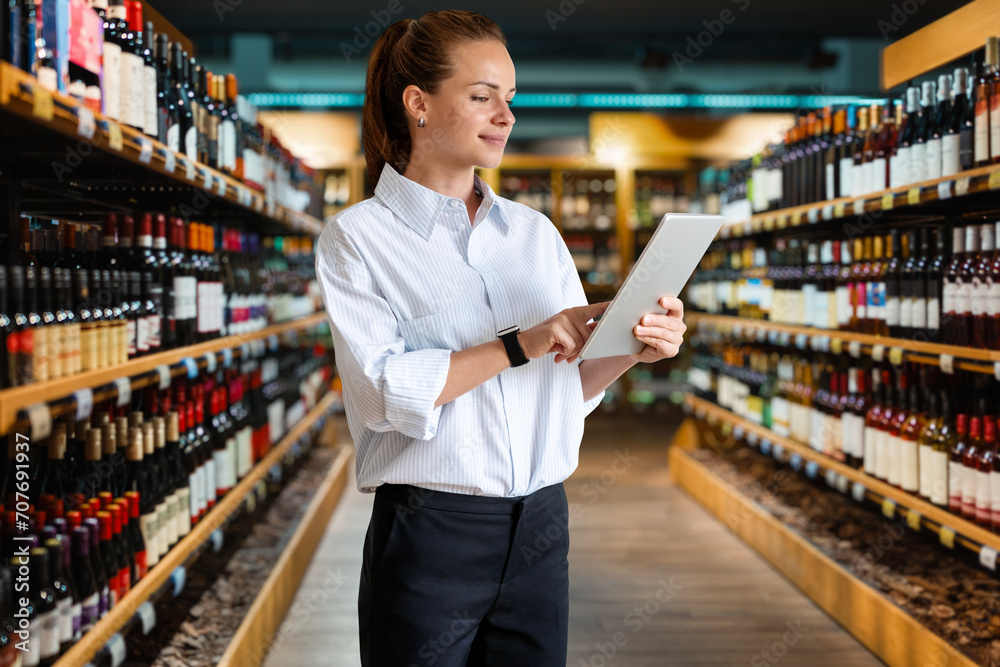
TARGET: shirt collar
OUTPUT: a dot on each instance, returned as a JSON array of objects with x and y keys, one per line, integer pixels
[{"x": 420, "y": 207}]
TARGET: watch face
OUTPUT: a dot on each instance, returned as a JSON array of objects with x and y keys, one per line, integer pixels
[{"x": 508, "y": 330}]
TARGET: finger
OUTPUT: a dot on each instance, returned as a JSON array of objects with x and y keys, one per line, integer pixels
[
  {"x": 663, "y": 322},
  {"x": 673, "y": 305},
  {"x": 657, "y": 333},
  {"x": 592, "y": 310},
  {"x": 662, "y": 347}
]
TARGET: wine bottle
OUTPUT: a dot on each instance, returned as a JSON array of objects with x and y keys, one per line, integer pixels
[
  {"x": 901, "y": 164},
  {"x": 970, "y": 456},
  {"x": 909, "y": 437},
  {"x": 982, "y": 279},
  {"x": 133, "y": 88},
  {"x": 925, "y": 445},
  {"x": 893, "y": 289},
  {"x": 63, "y": 592},
  {"x": 983, "y": 470},
  {"x": 941, "y": 126},
  {"x": 983, "y": 91},
  {"x": 85, "y": 579},
  {"x": 43, "y": 649}
]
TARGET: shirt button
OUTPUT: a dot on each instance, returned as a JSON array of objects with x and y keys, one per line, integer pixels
[{"x": 455, "y": 203}]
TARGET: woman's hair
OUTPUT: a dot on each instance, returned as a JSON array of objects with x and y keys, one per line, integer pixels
[{"x": 409, "y": 52}]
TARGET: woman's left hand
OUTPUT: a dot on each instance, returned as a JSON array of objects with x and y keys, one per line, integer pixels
[{"x": 662, "y": 334}]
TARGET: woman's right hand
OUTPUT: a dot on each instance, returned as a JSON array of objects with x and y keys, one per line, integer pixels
[{"x": 564, "y": 333}]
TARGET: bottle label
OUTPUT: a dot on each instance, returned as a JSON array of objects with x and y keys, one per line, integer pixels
[
  {"x": 204, "y": 306},
  {"x": 949, "y": 297},
  {"x": 46, "y": 634},
  {"x": 131, "y": 330},
  {"x": 918, "y": 163},
  {"x": 184, "y": 511},
  {"x": 193, "y": 483},
  {"x": 984, "y": 504},
  {"x": 938, "y": 478},
  {"x": 174, "y": 138},
  {"x": 173, "y": 517},
  {"x": 933, "y": 315},
  {"x": 965, "y": 149},
  {"x": 153, "y": 325},
  {"x": 40, "y": 357},
  {"x": 211, "y": 476},
  {"x": 969, "y": 489},
  {"x": 76, "y": 611},
  {"x": 245, "y": 450},
  {"x": 222, "y": 466},
  {"x": 161, "y": 529},
  {"x": 980, "y": 296},
  {"x": 878, "y": 175},
  {"x": 950, "y": 149},
  {"x": 147, "y": 524},
  {"x": 902, "y": 172},
  {"x": 893, "y": 312},
  {"x": 111, "y": 59},
  {"x": 142, "y": 335},
  {"x": 893, "y": 459},
  {"x": 90, "y": 611},
  {"x": 982, "y": 129},
  {"x": 995, "y": 126},
  {"x": 843, "y": 298},
  {"x": 191, "y": 143},
  {"x": 933, "y": 162},
  {"x": 909, "y": 473},
  {"x": 956, "y": 485},
  {"x": 846, "y": 177},
  {"x": 924, "y": 472},
  {"x": 905, "y": 312},
  {"x": 995, "y": 498},
  {"x": 895, "y": 171},
  {"x": 149, "y": 76},
  {"x": 64, "y": 608},
  {"x": 992, "y": 298},
  {"x": 185, "y": 297},
  {"x": 133, "y": 90},
  {"x": 963, "y": 298},
  {"x": 103, "y": 331}
]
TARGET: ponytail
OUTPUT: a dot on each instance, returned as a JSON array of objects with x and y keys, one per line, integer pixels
[{"x": 410, "y": 52}]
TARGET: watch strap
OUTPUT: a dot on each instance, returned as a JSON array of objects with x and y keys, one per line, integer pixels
[{"x": 513, "y": 347}]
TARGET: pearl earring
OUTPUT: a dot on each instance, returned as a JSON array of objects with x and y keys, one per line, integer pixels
[{"x": 421, "y": 122}]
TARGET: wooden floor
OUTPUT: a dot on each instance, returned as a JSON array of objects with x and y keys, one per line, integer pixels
[{"x": 654, "y": 579}]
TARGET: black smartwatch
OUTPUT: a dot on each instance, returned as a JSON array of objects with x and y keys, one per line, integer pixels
[{"x": 513, "y": 347}]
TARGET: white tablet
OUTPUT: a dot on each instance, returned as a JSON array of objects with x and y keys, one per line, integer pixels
[{"x": 663, "y": 268}]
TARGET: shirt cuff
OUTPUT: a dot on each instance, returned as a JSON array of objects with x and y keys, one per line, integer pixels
[
  {"x": 589, "y": 406},
  {"x": 413, "y": 381}
]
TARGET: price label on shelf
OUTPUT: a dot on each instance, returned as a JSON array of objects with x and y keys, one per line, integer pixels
[
  {"x": 913, "y": 196},
  {"x": 123, "y": 387},
  {"x": 947, "y": 537},
  {"x": 147, "y": 616},
  {"x": 42, "y": 106},
  {"x": 801, "y": 340},
  {"x": 192, "y": 367},
  {"x": 738, "y": 432},
  {"x": 84, "y": 403},
  {"x": 962, "y": 187},
  {"x": 996, "y": 370},
  {"x": 832, "y": 478},
  {"x": 836, "y": 345},
  {"x": 859, "y": 207},
  {"x": 813, "y": 215},
  {"x": 163, "y": 371},
  {"x": 827, "y": 212},
  {"x": 211, "y": 362},
  {"x": 206, "y": 176},
  {"x": 761, "y": 335},
  {"x": 839, "y": 210},
  {"x": 222, "y": 186},
  {"x": 878, "y": 352},
  {"x": 115, "y": 139},
  {"x": 145, "y": 150},
  {"x": 772, "y": 337},
  {"x": 888, "y": 508},
  {"x": 244, "y": 351},
  {"x": 796, "y": 218},
  {"x": 712, "y": 419},
  {"x": 944, "y": 190},
  {"x": 778, "y": 451},
  {"x": 169, "y": 161},
  {"x": 765, "y": 447},
  {"x": 988, "y": 558},
  {"x": 947, "y": 364},
  {"x": 784, "y": 338},
  {"x": 41, "y": 420},
  {"x": 116, "y": 649},
  {"x": 227, "y": 357},
  {"x": 726, "y": 429},
  {"x": 752, "y": 439},
  {"x": 895, "y": 355},
  {"x": 188, "y": 166},
  {"x": 795, "y": 461},
  {"x": 258, "y": 204},
  {"x": 251, "y": 502},
  {"x": 858, "y": 492},
  {"x": 747, "y": 228},
  {"x": 178, "y": 578},
  {"x": 994, "y": 181},
  {"x": 272, "y": 343},
  {"x": 887, "y": 200},
  {"x": 843, "y": 484},
  {"x": 854, "y": 349},
  {"x": 812, "y": 470},
  {"x": 86, "y": 125},
  {"x": 913, "y": 519},
  {"x": 216, "y": 540}
]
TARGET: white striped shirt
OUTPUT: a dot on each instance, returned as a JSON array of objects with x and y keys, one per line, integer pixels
[{"x": 406, "y": 281}]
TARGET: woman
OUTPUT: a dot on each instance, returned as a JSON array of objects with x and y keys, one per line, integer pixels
[{"x": 465, "y": 435}]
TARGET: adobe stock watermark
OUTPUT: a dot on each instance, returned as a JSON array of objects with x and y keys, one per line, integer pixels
[
  {"x": 779, "y": 649},
  {"x": 714, "y": 28},
  {"x": 565, "y": 9},
  {"x": 899, "y": 16},
  {"x": 635, "y": 620},
  {"x": 365, "y": 35}
]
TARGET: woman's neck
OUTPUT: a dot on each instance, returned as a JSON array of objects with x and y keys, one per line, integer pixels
[{"x": 451, "y": 183}]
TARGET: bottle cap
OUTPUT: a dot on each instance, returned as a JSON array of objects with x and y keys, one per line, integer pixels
[
  {"x": 135, "y": 445},
  {"x": 106, "y": 522},
  {"x": 93, "y": 524},
  {"x": 116, "y": 518},
  {"x": 148, "y": 439},
  {"x": 74, "y": 519},
  {"x": 106, "y": 499},
  {"x": 81, "y": 541},
  {"x": 133, "y": 506},
  {"x": 126, "y": 506}
]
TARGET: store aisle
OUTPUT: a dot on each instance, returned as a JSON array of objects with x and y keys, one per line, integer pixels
[{"x": 654, "y": 579}]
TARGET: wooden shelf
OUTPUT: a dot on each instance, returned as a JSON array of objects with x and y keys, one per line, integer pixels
[
  {"x": 916, "y": 510},
  {"x": 93, "y": 641},
  {"x": 21, "y": 95},
  {"x": 973, "y": 181},
  {"x": 17, "y": 398},
  {"x": 252, "y": 639},
  {"x": 889, "y": 632},
  {"x": 838, "y": 341},
  {"x": 951, "y": 37}
]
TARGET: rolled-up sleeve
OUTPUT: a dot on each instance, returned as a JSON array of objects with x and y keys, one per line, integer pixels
[
  {"x": 573, "y": 296},
  {"x": 393, "y": 390}
]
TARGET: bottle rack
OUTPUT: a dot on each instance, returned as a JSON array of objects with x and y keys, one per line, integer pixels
[
  {"x": 896, "y": 350},
  {"x": 963, "y": 184},
  {"x": 915, "y": 511},
  {"x": 57, "y": 114},
  {"x": 65, "y": 395},
  {"x": 168, "y": 576}
]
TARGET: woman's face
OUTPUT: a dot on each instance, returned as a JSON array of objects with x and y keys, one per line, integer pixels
[{"x": 469, "y": 118}]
